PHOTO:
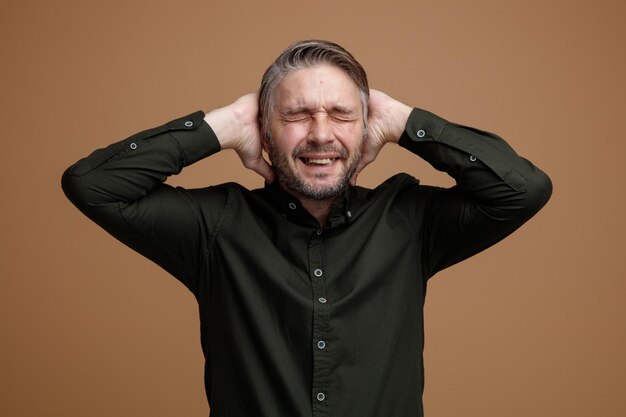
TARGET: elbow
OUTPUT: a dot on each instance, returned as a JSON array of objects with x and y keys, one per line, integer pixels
[
  {"x": 70, "y": 184},
  {"x": 75, "y": 189},
  {"x": 518, "y": 206},
  {"x": 538, "y": 192}
]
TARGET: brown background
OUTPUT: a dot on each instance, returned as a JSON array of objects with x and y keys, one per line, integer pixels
[{"x": 532, "y": 327}]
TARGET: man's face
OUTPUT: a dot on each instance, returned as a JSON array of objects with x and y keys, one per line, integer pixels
[{"x": 317, "y": 130}]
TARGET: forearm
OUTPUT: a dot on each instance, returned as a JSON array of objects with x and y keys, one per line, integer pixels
[
  {"x": 486, "y": 169},
  {"x": 129, "y": 169}
]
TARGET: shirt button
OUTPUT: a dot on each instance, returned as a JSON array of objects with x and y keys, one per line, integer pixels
[
  {"x": 421, "y": 133},
  {"x": 319, "y": 231},
  {"x": 318, "y": 273},
  {"x": 292, "y": 206},
  {"x": 349, "y": 213},
  {"x": 133, "y": 146},
  {"x": 472, "y": 158},
  {"x": 321, "y": 344},
  {"x": 188, "y": 123},
  {"x": 320, "y": 396},
  {"x": 322, "y": 300}
]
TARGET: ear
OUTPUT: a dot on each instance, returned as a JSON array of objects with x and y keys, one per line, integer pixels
[{"x": 265, "y": 143}]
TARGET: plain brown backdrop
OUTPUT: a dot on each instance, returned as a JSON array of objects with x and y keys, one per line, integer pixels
[{"x": 533, "y": 327}]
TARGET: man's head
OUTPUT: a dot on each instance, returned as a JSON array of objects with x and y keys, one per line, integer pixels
[
  {"x": 313, "y": 111},
  {"x": 305, "y": 54}
]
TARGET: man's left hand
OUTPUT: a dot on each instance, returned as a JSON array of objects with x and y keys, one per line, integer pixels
[{"x": 386, "y": 122}]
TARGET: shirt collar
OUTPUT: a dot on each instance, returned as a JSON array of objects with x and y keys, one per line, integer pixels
[{"x": 343, "y": 212}]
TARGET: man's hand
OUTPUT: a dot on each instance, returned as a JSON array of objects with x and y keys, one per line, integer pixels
[
  {"x": 237, "y": 127},
  {"x": 386, "y": 122}
]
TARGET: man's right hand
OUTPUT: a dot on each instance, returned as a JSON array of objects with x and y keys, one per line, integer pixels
[{"x": 237, "y": 127}]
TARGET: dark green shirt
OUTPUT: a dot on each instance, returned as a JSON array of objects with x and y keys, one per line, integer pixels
[{"x": 299, "y": 319}]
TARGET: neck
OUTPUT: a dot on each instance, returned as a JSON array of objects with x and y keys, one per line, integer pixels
[{"x": 320, "y": 209}]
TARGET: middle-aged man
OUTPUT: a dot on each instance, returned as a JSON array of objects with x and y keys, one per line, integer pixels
[{"x": 310, "y": 289}]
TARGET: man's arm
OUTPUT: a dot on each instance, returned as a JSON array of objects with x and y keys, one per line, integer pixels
[
  {"x": 496, "y": 190},
  {"x": 121, "y": 187}
]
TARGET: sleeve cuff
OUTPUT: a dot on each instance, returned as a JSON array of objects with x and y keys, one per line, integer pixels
[
  {"x": 194, "y": 137},
  {"x": 422, "y": 126}
]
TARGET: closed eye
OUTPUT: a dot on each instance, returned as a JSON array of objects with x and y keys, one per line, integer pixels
[
  {"x": 344, "y": 118},
  {"x": 296, "y": 117},
  {"x": 297, "y": 120},
  {"x": 343, "y": 115}
]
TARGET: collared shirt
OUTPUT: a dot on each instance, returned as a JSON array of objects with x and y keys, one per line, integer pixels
[{"x": 300, "y": 319}]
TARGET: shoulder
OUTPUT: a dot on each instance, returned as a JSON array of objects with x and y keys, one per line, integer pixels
[
  {"x": 394, "y": 185},
  {"x": 219, "y": 194},
  {"x": 401, "y": 192}
]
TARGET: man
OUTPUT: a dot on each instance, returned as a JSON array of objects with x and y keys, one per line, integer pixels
[{"x": 310, "y": 289}]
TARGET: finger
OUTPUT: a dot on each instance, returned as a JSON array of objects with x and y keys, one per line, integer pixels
[
  {"x": 353, "y": 179},
  {"x": 261, "y": 167},
  {"x": 359, "y": 168}
]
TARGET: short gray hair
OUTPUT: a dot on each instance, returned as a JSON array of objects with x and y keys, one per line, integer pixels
[{"x": 304, "y": 54}]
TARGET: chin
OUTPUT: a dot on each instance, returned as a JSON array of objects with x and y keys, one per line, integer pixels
[
  {"x": 324, "y": 191},
  {"x": 319, "y": 186}
]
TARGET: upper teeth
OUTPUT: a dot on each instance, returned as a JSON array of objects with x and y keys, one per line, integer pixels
[{"x": 324, "y": 161}]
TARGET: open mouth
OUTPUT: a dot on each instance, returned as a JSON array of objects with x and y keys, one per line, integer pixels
[{"x": 318, "y": 161}]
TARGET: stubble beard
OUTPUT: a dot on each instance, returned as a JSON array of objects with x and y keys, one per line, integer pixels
[{"x": 297, "y": 185}]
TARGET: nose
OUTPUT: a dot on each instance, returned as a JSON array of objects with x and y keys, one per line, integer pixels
[{"x": 321, "y": 130}]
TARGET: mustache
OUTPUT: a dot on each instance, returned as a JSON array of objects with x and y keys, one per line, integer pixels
[{"x": 310, "y": 148}]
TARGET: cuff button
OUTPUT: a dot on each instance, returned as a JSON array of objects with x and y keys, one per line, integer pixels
[
  {"x": 188, "y": 123},
  {"x": 421, "y": 133}
]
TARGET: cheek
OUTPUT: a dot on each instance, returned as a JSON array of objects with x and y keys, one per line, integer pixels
[
  {"x": 284, "y": 139},
  {"x": 351, "y": 136},
  {"x": 290, "y": 134}
]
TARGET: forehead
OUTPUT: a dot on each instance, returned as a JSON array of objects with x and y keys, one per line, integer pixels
[{"x": 317, "y": 87}]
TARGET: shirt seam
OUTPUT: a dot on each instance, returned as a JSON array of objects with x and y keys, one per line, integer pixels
[
  {"x": 182, "y": 151},
  {"x": 217, "y": 229}
]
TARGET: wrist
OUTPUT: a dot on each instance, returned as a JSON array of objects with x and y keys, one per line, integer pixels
[
  {"x": 221, "y": 121},
  {"x": 400, "y": 116}
]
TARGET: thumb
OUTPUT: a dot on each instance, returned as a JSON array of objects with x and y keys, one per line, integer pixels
[
  {"x": 353, "y": 179},
  {"x": 261, "y": 167},
  {"x": 356, "y": 173},
  {"x": 368, "y": 155}
]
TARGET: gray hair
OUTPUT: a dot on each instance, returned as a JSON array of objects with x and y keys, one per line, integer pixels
[{"x": 304, "y": 54}]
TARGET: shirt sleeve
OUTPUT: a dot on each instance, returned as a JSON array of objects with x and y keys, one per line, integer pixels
[
  {"x": 121, "y": 188},
  {"x": 496, "y": 190}
]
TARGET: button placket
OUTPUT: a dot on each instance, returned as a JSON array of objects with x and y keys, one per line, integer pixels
[{"x": 320, "y": 328}]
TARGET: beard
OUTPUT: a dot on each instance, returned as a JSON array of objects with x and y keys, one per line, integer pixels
[{"x": 298, "y": 185}]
